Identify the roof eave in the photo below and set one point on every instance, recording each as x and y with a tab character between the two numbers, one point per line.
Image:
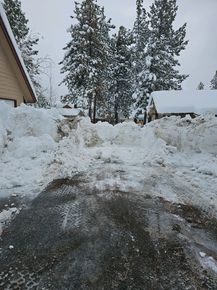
29	86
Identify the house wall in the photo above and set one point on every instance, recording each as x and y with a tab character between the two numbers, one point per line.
182	115
12	83
152	114
9	85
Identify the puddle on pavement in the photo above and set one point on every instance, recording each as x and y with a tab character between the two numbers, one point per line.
74	238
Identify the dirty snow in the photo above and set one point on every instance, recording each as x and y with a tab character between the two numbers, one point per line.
172	157
210	263
7	215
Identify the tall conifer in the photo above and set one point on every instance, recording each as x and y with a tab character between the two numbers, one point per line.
87	56
200	86
26	42
165	46
120	98
141	35
213	83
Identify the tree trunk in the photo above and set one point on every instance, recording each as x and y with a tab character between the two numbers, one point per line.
116	111
94	108
145	117
90	108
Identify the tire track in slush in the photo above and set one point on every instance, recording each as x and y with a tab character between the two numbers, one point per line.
75	237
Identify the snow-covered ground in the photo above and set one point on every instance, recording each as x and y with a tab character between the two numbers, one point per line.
172	157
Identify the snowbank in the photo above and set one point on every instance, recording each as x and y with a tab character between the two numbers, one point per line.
196	135
28	121
38	146
28	138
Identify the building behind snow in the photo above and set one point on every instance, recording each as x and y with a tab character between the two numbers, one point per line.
182	103
15	84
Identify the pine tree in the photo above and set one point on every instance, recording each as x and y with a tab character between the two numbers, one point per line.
42	101
200	86
139	45
17	19
105	55
26	42
120	98
141	63
87	56
213	83
165	45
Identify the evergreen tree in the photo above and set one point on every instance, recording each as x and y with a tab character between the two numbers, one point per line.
200	86
141	59
165	45
139	44
26	42
87	56
120	98
17	20
106	55
42	101
213	84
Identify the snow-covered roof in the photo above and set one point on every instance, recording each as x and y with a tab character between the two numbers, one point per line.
7	29
69	105
140	117
69	112
185	101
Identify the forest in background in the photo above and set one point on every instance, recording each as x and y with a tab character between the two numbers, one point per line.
110	74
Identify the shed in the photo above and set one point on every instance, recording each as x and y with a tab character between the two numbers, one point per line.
182	103
69	106
70	113
15	84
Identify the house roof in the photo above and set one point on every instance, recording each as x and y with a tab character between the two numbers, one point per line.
185	101
69	112
4	24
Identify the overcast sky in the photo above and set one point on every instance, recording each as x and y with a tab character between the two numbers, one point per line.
51	18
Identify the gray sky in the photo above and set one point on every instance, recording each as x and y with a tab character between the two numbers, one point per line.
51	18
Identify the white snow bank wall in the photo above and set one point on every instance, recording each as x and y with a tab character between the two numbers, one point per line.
186	134
27	147
196	135
28	127
27	122
38	146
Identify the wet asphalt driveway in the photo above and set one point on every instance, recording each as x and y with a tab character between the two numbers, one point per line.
71	237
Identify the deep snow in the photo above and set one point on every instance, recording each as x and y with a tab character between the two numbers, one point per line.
38	146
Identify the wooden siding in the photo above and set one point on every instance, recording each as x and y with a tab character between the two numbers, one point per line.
9	85
12	82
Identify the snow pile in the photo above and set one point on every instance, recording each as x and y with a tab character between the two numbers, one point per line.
6	216
28	121
27	139
175	158
190	158
196	135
